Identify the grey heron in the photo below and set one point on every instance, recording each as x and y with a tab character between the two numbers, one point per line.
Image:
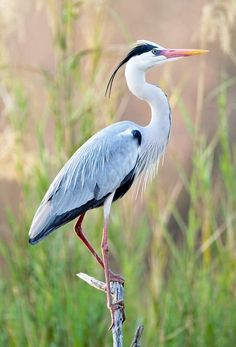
104	168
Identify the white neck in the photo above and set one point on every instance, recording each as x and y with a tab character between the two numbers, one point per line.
159	126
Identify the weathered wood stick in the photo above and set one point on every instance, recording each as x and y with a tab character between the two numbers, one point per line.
117	293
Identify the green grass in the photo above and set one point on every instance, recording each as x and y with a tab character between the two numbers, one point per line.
179	267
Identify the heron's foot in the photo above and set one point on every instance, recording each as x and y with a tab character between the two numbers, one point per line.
116	278
119	305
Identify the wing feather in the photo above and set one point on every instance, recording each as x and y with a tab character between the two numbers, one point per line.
95	170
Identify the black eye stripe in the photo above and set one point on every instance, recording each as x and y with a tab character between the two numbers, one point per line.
137	50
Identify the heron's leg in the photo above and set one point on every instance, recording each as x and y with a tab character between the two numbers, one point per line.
83	238
109	276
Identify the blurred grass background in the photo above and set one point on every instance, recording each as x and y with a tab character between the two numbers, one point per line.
176	247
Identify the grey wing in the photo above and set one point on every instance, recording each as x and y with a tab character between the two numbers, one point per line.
96	170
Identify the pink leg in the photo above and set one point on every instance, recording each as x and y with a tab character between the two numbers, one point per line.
79	232
83	238
108	275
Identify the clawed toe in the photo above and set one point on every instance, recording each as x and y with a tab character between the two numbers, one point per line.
115	277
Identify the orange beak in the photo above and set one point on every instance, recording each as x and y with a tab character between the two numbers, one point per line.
175	53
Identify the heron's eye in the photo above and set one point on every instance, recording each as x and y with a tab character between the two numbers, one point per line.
155	51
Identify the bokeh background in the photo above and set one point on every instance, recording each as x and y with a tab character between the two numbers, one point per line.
176	245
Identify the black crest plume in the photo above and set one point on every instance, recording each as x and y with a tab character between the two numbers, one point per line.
137	50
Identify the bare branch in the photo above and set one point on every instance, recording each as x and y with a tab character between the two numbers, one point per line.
137	337
92	281
117	293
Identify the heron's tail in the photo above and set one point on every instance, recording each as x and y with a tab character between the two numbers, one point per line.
42	223
45	221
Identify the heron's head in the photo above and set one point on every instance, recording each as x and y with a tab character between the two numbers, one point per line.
147	54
